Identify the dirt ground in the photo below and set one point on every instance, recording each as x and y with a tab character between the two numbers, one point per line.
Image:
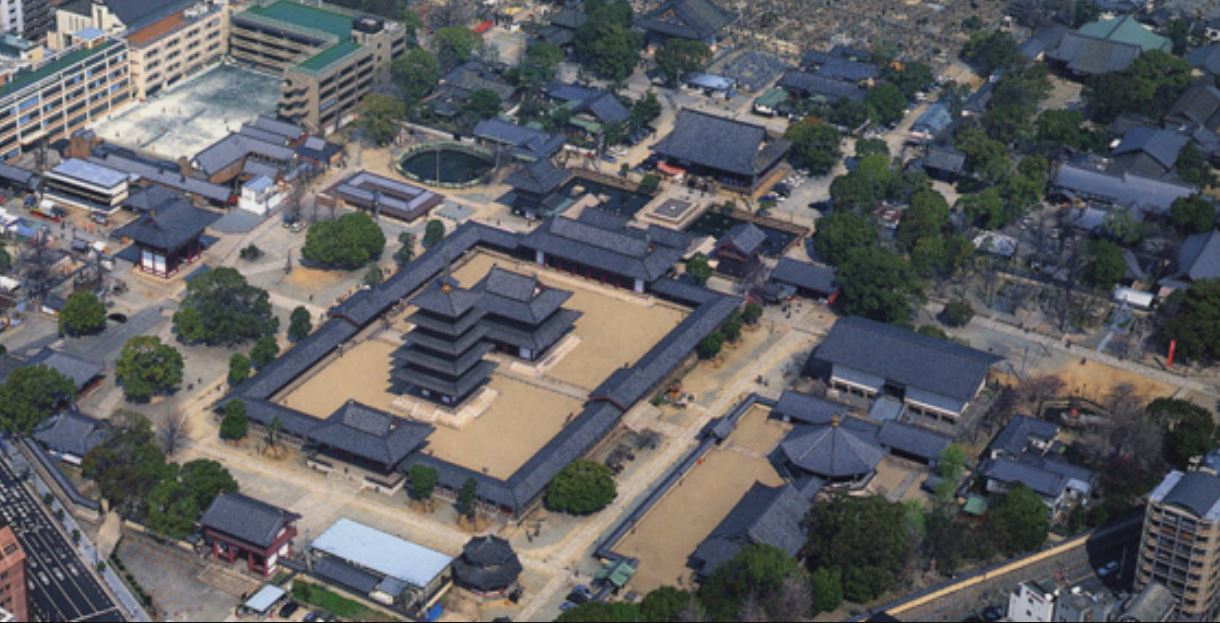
521	419
1095	380
363	373
671	531
616	327
312	279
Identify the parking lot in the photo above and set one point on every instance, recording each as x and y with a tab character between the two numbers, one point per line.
61	587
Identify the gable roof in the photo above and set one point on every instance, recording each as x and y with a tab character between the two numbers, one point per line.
687	19
804	275
945	159
539	177
764	515
833	450
808	408
474	76
1196	491
375	435
80	371
241	516
1161	145
746	238
1092	56
71	432
383	554
236	146
1045	477
913	440
169	226
603	105
1014	438
901	356
839	68
527	142
1126	189
621	250
1126	30
720	143
815	85
1198	106
1199	256
1206	58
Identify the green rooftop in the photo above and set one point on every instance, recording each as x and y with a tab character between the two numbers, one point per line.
298	14
772	98
27	77
335	52
1126	30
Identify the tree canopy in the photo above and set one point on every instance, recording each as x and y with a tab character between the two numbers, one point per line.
1149	87
417	72
581	488
886	103
30	395
1194	214
697	268
991	51
841	232
434	232
815	145
235	423
379	117
865	538
1020	520
1191	431
758	572
1192	318
179	499
146	367
606	43
876	283
455	45
128	465
348	242
221	308
265	351
300	323
1106	264
677	57
83	314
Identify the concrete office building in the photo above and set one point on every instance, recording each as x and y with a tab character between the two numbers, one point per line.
1180	544
169	39
327	56
13	592
51	99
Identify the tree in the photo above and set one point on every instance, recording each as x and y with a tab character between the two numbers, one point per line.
1058	128
239	369
876	283
146	367
870	146
1194	167
732	327
406	252
985	156
886	104
650	183
1149	86
434	232
664	604
862	188
606	42
265	350
698	268
985	209
351	241
455	45
466	499
173	432
582	487
957	313
1106	264
83	314
865	538
127	465
482	104
179	499
379	117
235	424
848	113
710	345
300	323
1191	431
678	57
991	51
827	586
815	145
926	217
1019	521
757	573
1194	214
373	276
644	110
752	313
30	395
6	260
839	233
910	77
600	611
417	72
220	308
1191	317
423	481
538	68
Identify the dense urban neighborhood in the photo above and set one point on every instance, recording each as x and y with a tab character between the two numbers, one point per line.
609	310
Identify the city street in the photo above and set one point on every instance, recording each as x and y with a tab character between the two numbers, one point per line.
62	588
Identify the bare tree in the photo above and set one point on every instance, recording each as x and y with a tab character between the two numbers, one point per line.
1036	391
752	610
173	432
692	612
451	13
794	601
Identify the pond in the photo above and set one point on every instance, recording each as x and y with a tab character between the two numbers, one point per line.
716	224
445	165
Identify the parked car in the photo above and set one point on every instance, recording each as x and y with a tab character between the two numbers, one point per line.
1108	568
580	594
993	613
117	317
289	609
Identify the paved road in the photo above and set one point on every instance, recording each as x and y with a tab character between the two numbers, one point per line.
61	587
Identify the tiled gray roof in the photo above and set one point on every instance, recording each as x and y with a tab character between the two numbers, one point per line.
170	227
839	68
475	76
804	275
832	450
446	297
245	518
376	435
821	86
1092	56
539	177
1014	438
746	238
526	142
1162	145
1128	190
569	18
1199	256
808	408
518	297
764	515
1206	58
22	178
285	129
625	252
71	432
688	19
163	176
717	143
80	371
487	563
1029	471
1197	106
944	159
345	575
901	356
234	147
913	440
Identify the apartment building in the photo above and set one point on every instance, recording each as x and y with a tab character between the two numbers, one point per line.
46	101
13	597
328	56
168	39
1180	545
